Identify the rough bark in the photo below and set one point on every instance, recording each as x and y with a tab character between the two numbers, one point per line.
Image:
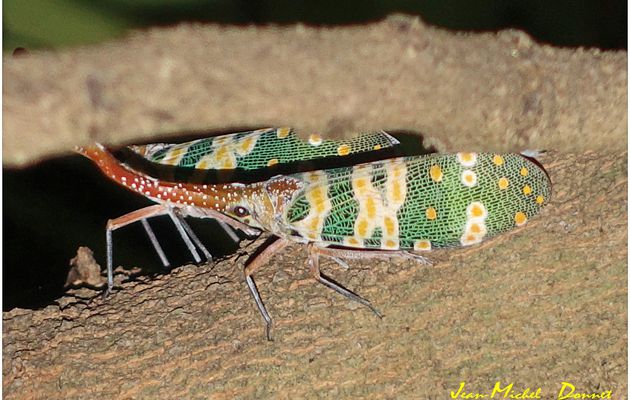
536	307
463	91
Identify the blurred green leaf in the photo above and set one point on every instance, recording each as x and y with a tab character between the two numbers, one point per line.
57	23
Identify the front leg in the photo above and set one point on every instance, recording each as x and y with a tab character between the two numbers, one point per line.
251	266
186	232
138	215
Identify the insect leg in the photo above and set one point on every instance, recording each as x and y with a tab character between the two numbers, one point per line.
113	224
221	218
191	234
358	254
155	243
110	256
314	268
261	307
229	230
250	267
340	262
182	232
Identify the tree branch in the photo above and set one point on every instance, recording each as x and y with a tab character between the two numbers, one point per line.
538	306
463	91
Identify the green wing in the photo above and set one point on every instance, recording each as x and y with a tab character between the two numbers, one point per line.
419	203
258	149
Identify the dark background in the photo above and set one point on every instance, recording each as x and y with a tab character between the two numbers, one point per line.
52	208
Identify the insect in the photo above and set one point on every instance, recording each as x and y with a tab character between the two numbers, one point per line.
246	151
398	207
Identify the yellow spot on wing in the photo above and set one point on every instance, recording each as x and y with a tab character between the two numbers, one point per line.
391	244
282	133
177	152
320	207
397	192
360	184
343	150
476	210
467	159
173	156
524	171
229	164
378	206
271	162
317	199
436	173
399	171
527	190
315	140
221	153
203	164
389	226
540	199
469	178
520	218
503	183
221	140
362	228
314	177
314	224
370	207
422	245
497	160
475	228
352	241
377	147
317	194
395	184
470	238
431	213
246	145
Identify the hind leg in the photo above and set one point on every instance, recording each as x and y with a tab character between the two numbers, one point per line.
313	260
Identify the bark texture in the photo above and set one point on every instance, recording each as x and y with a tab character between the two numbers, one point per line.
463	91
544	304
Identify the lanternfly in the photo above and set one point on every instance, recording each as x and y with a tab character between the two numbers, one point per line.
397	207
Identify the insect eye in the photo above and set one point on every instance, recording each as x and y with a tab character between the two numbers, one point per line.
240	211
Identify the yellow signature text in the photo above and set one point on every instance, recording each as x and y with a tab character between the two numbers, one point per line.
567	392
506	392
